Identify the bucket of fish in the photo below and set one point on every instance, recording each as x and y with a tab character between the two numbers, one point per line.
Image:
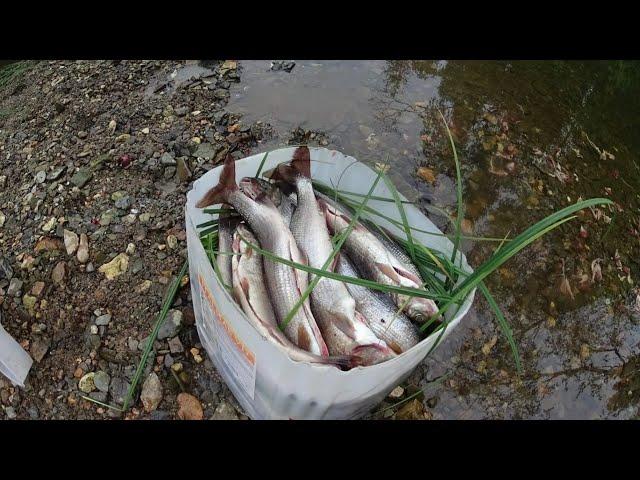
317	287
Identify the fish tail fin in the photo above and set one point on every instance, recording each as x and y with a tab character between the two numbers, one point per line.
226	184
301	161
283	173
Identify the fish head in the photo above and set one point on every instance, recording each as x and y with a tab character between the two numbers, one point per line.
421	309
251	188
370	354
241	236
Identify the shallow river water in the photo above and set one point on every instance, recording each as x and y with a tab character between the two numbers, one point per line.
532	137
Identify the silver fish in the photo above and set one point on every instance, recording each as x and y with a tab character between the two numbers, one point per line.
379	264
343	328
285	283
226	226
250	291
379	311
390	245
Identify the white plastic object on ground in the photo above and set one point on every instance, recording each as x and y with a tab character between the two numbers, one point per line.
15	363
264	380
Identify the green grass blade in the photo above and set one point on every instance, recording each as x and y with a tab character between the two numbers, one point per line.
502	322
168	301
460	214
218	211
209	223
112	407
403	215
264	159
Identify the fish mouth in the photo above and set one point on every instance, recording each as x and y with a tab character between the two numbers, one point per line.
251	188
370	354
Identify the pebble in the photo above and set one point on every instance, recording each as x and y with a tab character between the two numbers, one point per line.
151	395
181	111
132	343
145	217
172	242
37	289
82	177
115	267
56	173
5	269
189	407
2	219
123	203
15	286
175	345
86	383
11	412
397	392
167	159
206	151
184	173
83	249
196	355
58	273
101	381
224	411
131	249
103	319
118	390
50	224
99	396
39	349
171	325
41	176
70	241
29	303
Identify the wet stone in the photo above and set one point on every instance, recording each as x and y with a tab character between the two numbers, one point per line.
167	159
99	396
118	390
206	151
171	325
81	177
101	381
224	411
56	173
103	319
15	287
86	383
5	269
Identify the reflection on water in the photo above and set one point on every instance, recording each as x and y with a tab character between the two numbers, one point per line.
532	138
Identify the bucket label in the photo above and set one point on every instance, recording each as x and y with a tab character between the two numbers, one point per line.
229	348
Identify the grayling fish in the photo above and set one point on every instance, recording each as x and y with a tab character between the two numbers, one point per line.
226	226
343	328
379	311
250	291
285	283
390	245
377	263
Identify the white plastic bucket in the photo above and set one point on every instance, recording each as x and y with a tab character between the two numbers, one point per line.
264	380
